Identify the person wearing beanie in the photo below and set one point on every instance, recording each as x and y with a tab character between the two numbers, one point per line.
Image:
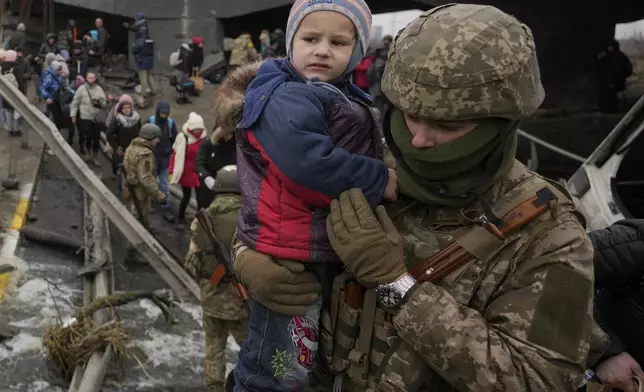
124	128
307	135
139	163
18	38
183	159
164	151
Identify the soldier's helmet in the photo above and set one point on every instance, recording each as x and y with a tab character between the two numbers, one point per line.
227	180
150	131
464	62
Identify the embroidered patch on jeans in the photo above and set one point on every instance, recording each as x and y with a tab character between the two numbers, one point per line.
305	339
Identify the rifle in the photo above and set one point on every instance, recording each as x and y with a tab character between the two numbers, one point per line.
225	268
130	188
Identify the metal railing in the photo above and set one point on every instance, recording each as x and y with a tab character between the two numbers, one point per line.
164	264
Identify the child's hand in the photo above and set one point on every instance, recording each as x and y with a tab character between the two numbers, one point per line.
391	191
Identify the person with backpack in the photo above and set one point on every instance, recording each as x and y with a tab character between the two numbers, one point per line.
183	159
162	119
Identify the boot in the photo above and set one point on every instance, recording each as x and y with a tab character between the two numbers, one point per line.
94	160
181	224
169	217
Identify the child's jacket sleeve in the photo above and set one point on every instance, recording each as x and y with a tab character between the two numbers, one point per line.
292	136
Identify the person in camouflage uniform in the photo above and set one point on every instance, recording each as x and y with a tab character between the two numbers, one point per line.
517	315
243	52
140	165
224	312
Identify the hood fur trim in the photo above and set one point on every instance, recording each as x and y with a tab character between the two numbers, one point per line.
229	99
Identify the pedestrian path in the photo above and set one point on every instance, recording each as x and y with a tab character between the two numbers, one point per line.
20	159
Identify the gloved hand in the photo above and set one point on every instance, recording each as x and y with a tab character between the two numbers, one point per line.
370	247
282	286
210	182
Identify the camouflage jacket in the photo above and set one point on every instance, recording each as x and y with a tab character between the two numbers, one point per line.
521	321
221	302
243	52
140	164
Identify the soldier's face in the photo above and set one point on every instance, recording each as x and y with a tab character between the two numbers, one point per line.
323	45
427	133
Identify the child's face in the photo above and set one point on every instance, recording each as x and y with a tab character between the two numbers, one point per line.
164	114
126	109
428	133
323	45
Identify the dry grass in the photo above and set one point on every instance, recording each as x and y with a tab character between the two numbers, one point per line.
72	345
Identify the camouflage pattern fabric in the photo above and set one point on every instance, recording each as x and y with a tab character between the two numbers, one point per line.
224	312
140	164
462	62
243	51
520	322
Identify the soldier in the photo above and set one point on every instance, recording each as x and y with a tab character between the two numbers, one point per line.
243	52
224	312
140	165
482	270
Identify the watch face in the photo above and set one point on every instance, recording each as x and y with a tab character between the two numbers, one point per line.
389	297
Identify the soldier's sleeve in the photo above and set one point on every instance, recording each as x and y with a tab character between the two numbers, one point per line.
533	335
146	171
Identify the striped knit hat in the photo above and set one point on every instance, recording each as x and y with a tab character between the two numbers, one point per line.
356	10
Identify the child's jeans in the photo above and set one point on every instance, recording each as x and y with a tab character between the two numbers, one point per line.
280	351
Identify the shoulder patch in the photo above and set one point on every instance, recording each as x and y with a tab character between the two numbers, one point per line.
561	312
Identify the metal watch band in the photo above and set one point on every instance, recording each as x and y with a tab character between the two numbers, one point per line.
404	284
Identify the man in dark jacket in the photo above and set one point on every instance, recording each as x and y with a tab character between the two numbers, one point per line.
18	38
140	27
163	152
79	62
67	36
215	152
49	46
619	301
143	51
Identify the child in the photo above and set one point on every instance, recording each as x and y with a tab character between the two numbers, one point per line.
306	135
183	160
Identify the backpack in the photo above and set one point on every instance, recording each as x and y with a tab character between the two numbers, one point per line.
174	59
152	120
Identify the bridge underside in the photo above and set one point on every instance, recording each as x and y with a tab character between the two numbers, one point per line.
568	36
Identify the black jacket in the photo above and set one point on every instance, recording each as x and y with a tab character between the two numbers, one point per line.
619	255
619	281
215	153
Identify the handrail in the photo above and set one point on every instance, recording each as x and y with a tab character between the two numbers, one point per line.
551	147
164	264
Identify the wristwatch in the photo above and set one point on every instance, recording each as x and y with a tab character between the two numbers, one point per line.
393	295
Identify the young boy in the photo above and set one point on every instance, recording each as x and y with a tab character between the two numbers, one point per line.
305	136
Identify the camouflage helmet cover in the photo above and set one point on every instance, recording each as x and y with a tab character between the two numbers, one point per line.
227	180
462	62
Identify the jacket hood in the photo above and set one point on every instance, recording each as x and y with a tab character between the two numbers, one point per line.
229	99
49	36
162	107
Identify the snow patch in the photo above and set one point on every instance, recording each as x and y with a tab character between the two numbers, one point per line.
170	349
151	310
194	310
39	293
19	345
42	386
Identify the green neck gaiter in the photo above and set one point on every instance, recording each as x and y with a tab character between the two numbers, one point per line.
452	174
